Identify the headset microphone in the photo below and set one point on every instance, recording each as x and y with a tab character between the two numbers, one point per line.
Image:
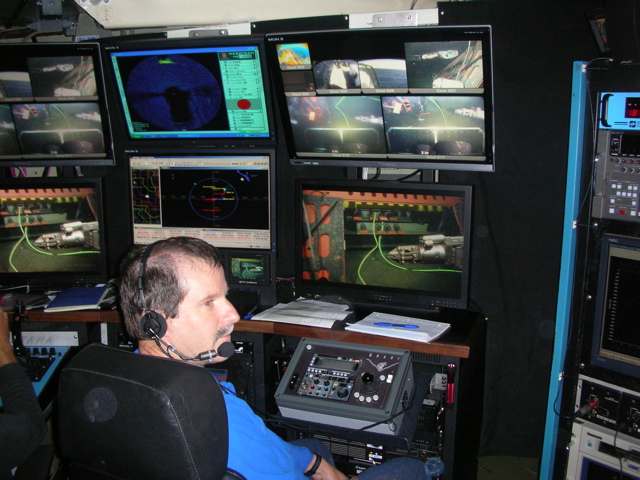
226	350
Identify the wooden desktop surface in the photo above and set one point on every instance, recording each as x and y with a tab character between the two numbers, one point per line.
457	342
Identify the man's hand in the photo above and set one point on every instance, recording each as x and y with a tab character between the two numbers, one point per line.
6	350
326	471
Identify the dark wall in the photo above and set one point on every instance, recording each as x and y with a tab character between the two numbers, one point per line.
518	210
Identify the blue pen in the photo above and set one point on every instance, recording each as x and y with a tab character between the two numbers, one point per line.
394	325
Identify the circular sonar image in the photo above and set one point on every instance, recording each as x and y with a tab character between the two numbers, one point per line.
174	92
213	199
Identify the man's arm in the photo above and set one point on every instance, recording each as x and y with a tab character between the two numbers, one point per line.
6	351
22	424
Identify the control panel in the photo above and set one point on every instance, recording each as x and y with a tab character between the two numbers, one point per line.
610	406
347	385
40	364
617	161
333	378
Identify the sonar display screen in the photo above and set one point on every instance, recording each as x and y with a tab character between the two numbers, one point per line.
222	199
191	91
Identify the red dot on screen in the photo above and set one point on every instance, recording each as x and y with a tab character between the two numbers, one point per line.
244	104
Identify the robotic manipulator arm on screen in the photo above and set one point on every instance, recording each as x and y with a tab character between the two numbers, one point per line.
72	234
431	249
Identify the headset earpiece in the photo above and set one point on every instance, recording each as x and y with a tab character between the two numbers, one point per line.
153	324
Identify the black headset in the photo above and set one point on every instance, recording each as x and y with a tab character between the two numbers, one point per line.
152	323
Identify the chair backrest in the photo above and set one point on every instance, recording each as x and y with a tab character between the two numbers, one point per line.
127	416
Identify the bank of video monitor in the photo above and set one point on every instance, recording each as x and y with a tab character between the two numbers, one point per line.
386	98
52	106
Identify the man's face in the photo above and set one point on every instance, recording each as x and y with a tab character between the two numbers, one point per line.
205	317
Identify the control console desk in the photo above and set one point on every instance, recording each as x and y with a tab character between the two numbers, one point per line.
450	421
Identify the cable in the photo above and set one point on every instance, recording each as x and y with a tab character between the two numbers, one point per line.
586	409
615	448
407	177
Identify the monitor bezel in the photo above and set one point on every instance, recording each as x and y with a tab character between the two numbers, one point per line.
62	279
598	358
382	36
144	44
54	49
375	296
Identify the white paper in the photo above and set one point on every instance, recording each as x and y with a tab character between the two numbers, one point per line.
408	328
312	313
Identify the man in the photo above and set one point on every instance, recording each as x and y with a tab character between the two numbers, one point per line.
173	296
22	423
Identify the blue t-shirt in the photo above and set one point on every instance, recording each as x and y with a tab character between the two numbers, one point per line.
257	452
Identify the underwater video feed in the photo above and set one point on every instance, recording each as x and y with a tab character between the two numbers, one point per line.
70	76
445	66
392	240
49	78
73	129
337	76
337	124
49	230
434	125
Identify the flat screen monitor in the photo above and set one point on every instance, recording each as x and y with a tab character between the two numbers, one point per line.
418	97
223	199
52	232
384	243
189	91
52	105
616	332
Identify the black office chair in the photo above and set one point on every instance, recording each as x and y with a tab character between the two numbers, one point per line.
127	416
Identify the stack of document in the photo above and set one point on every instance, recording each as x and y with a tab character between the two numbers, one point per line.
84	298
397	326
310	313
